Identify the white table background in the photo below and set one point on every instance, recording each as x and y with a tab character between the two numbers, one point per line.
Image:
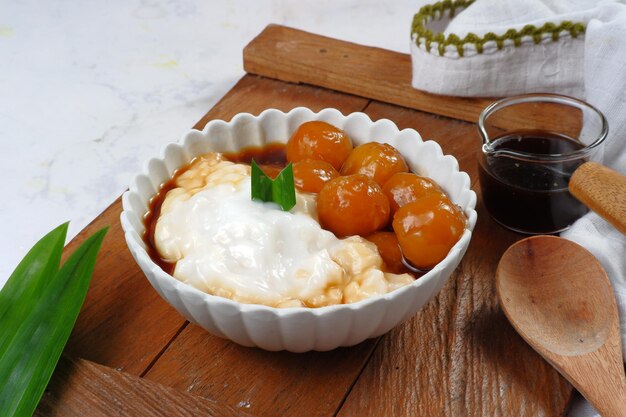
90	90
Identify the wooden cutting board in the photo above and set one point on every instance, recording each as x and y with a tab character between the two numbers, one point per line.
457	357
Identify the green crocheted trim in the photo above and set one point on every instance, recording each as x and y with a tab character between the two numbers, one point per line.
438	11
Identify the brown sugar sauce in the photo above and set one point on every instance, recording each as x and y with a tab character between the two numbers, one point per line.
531	196
271	154
151	217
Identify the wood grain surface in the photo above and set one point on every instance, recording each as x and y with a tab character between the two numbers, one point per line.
265	383
458	356
81	388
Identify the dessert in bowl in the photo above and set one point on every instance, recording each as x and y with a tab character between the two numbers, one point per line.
301	279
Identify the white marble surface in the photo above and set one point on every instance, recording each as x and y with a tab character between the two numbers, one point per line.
89	90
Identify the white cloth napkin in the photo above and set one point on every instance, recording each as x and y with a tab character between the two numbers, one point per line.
605	88
590	66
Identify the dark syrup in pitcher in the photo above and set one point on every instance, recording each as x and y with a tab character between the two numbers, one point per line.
531	197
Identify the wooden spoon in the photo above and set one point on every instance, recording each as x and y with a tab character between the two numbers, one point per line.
559	299
603	191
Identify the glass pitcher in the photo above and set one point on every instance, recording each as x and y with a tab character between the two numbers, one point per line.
531	145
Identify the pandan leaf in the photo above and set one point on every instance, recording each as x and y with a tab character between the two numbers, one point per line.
280	190
43	303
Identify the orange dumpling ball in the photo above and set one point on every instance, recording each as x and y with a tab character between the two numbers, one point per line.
427	229
352	205
405	187
319	140
310	175
378	161
389	250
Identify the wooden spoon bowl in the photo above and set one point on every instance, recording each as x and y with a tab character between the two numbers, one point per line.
559	299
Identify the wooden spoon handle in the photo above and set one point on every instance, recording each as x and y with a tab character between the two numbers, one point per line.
603	384
603	191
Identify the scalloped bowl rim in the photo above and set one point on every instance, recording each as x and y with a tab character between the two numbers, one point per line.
183	288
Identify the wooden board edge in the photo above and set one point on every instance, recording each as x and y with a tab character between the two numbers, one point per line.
80	387
297	56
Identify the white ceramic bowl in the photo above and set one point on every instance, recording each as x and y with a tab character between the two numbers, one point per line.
295	329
